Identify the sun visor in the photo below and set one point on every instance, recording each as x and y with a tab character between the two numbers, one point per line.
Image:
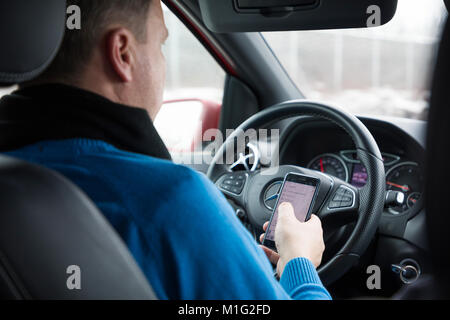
282	15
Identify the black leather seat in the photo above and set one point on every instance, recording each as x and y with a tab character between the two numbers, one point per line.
47	224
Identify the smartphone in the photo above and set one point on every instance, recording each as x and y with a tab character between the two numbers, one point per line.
299	190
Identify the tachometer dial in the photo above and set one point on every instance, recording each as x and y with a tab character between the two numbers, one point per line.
407	178
413	199
330	164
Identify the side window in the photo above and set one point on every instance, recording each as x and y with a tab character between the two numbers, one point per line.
194	90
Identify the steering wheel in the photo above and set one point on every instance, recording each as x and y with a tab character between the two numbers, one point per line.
363	206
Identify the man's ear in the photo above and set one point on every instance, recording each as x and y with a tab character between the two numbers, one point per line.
119	52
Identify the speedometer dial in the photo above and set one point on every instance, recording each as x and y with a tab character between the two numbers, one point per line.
407	178
330	164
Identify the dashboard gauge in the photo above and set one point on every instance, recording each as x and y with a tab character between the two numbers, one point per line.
330	164
413	199
407	178
351	156
389	159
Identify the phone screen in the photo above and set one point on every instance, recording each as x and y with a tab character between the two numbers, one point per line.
298	190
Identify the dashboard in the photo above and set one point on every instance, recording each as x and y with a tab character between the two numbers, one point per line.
401	236
402	176
322	146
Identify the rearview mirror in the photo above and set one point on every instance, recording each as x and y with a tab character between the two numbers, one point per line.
282	15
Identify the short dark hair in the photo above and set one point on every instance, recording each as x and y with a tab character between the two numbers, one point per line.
96	16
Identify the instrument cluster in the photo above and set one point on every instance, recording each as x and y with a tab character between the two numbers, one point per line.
402	176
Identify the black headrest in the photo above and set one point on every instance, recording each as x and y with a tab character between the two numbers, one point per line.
31	32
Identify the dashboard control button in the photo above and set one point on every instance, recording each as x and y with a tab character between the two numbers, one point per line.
238	183
225	187
343	198
233	183
236	190
335	204
346	204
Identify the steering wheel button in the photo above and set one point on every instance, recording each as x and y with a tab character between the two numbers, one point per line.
236	190
335	204
237	183
346	204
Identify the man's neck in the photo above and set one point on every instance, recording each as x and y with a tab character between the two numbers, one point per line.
58	112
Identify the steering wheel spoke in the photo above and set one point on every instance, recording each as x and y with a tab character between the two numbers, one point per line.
233	186
341	206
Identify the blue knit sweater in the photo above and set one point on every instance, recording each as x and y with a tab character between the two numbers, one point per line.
178	226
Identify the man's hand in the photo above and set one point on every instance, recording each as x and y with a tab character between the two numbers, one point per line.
295	239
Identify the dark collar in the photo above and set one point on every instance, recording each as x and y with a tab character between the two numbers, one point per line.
56	112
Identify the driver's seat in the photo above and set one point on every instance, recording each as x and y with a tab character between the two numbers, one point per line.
54	243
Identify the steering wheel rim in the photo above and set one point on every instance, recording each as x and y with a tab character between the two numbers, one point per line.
370	198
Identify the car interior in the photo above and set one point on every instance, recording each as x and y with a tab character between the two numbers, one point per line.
392	169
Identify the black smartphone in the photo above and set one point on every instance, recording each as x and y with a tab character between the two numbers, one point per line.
299	190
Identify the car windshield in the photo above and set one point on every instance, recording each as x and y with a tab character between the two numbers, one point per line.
377	71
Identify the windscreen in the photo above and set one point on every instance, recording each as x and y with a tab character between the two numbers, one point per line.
374	71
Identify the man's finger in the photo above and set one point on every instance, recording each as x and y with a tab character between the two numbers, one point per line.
285	212
271	255
261	237
315	219
265	226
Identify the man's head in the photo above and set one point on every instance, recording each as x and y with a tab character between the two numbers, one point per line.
117	53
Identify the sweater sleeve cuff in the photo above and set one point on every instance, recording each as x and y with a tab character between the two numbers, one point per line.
298	272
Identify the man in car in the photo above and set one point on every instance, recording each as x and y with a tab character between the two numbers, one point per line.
89	116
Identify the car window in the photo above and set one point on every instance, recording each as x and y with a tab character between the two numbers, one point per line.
194	89
380	71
